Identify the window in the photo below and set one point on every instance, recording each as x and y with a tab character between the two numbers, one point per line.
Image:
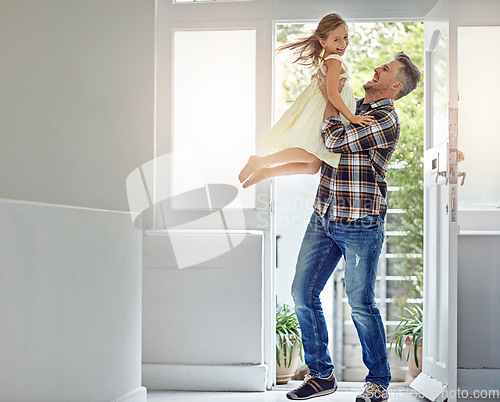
214	100
205	1
477	137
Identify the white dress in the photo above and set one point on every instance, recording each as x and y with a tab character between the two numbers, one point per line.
300	126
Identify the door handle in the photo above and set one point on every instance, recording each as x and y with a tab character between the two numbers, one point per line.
441	174
462	175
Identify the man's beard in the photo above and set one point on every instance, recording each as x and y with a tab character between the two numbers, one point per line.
373	90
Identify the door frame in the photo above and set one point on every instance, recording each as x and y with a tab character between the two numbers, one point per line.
262	15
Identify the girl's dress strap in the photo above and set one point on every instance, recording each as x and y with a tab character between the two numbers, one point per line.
345	74
334	56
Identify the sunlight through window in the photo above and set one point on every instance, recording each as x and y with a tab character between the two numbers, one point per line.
214	106
477	137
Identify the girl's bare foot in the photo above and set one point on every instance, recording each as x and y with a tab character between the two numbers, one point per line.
254	163
259	175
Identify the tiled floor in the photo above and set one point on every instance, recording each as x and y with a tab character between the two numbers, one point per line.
399	392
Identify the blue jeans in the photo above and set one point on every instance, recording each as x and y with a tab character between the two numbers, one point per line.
324	243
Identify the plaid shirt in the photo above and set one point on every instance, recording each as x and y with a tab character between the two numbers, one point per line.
357	187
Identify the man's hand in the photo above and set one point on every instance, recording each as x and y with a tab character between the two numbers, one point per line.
322	82
341	84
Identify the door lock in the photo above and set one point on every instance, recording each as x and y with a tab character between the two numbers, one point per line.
460	154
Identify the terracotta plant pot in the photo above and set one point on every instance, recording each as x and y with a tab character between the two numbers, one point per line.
283	373
412	365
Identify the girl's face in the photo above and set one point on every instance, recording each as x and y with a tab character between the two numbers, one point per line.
336	42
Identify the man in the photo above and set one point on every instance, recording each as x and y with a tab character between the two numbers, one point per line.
348	221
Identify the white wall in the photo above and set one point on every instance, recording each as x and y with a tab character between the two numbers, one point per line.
479	215
76	117
70	304
478	300
76	99
203	321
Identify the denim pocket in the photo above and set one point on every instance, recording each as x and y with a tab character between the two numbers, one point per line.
369	222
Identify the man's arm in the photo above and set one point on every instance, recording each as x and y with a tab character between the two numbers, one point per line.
330	110
382	133
354	138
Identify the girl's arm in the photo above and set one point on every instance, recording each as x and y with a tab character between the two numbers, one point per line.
332	85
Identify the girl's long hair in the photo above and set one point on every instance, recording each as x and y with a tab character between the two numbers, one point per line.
309	50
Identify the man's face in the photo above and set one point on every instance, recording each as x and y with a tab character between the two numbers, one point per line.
384	77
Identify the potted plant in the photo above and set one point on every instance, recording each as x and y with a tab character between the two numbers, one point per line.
409	333
288	343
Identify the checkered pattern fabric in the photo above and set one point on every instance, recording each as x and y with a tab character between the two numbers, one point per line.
357	187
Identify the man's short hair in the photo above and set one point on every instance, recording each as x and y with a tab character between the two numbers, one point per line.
408	75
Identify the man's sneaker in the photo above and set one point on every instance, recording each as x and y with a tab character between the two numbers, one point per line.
373	393
313	387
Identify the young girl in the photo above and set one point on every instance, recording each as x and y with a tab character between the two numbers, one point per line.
296	138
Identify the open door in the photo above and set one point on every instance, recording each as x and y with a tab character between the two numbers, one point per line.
439	374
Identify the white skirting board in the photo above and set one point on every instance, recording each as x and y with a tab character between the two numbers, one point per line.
137	395
479	383
180	377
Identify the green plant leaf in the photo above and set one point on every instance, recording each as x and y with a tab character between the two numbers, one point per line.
409	328
288	334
